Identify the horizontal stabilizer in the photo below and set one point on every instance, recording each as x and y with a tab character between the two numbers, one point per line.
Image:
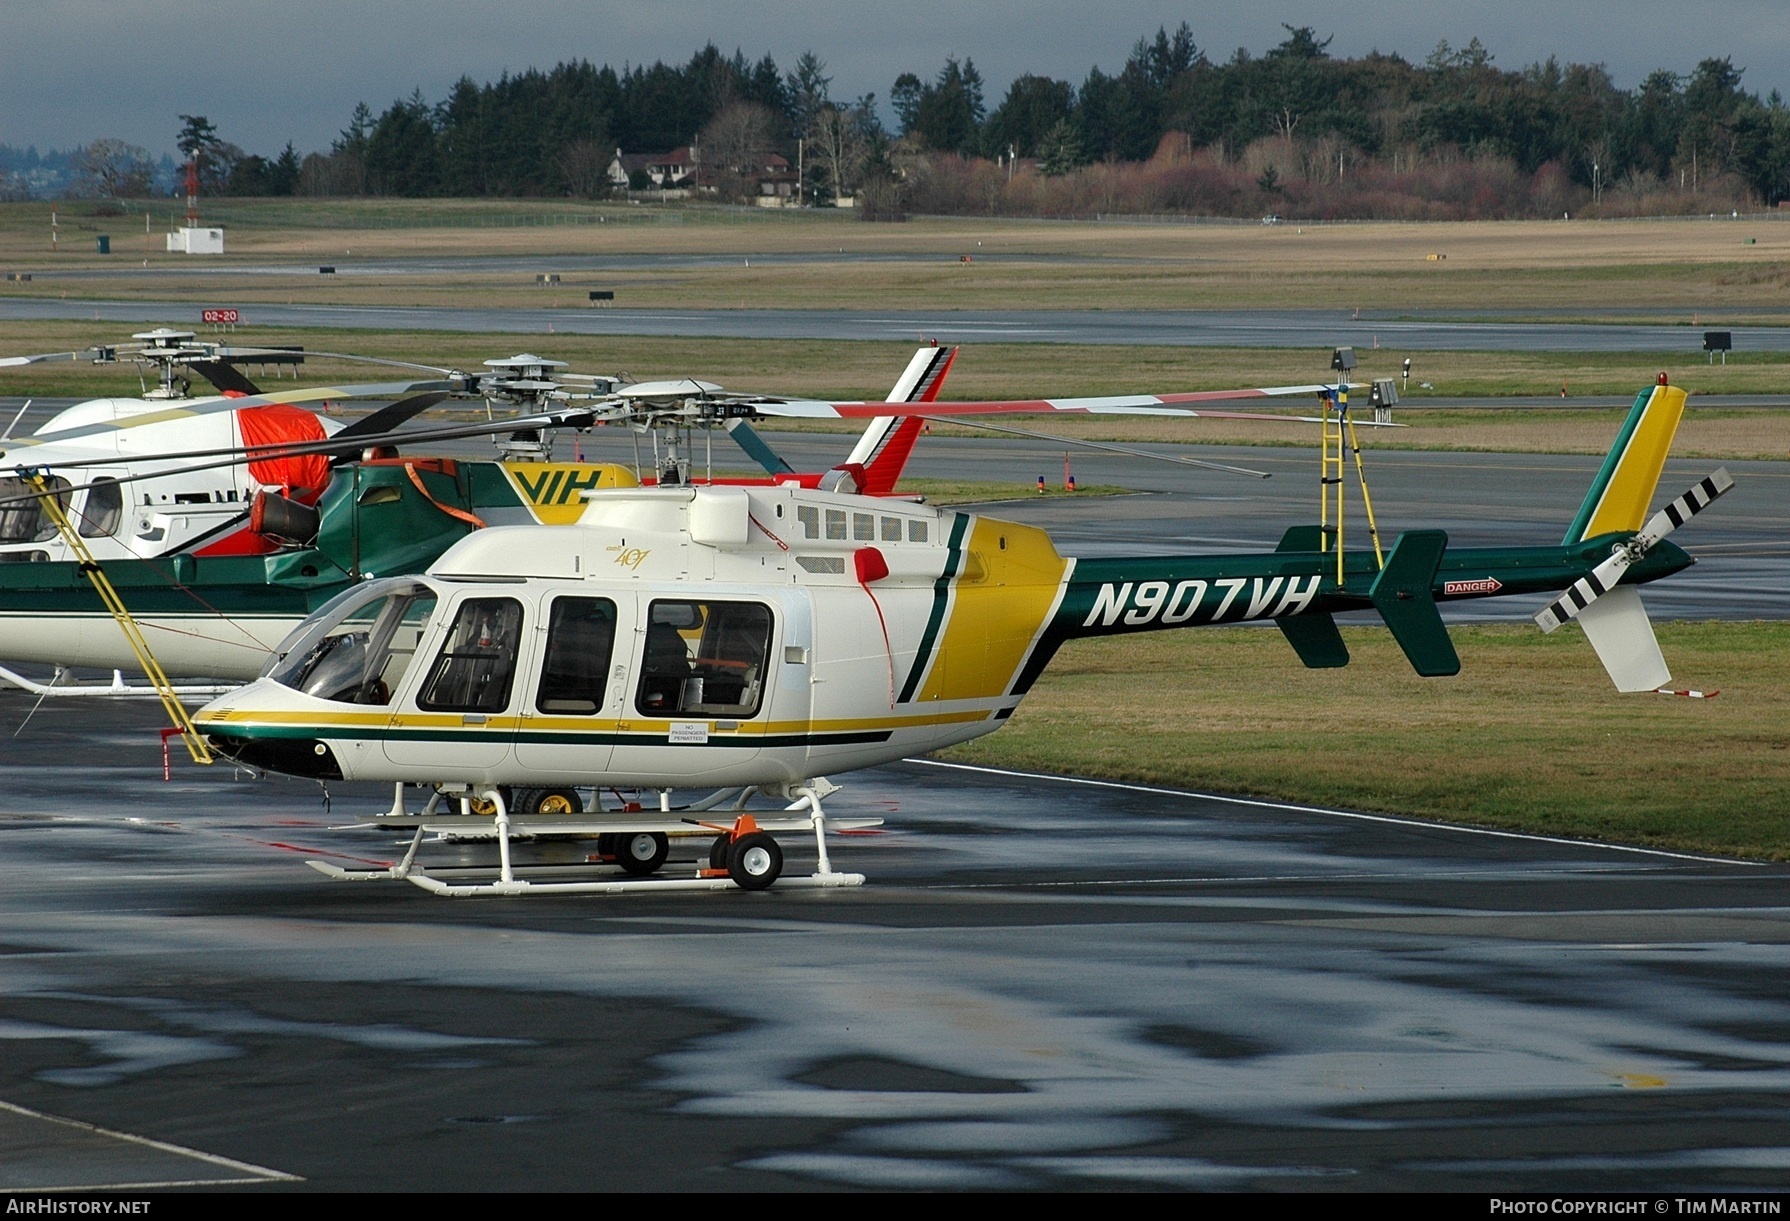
1301	538
1618	628
1315	638
1403	594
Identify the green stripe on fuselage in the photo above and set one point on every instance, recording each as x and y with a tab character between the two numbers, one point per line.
941	597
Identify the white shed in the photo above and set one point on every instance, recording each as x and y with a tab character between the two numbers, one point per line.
196	241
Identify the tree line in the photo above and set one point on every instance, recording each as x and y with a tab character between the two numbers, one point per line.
1173	129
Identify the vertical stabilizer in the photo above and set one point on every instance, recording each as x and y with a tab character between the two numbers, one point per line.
887	442
1620	496
1618	628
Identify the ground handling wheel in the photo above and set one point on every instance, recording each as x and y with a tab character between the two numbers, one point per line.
485	808
556	802
720	850
755	861
642	852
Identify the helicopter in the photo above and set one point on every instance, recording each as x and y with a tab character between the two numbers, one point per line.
118	442
755	640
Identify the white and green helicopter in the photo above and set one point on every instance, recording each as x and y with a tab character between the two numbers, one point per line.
754	640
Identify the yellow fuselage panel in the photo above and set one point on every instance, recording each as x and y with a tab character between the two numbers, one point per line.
1013	580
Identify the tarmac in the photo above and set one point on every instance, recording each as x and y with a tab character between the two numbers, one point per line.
1046	984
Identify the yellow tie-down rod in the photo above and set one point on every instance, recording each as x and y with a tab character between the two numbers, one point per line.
183	721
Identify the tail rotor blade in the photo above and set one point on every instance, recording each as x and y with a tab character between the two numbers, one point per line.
1687	506
1605	577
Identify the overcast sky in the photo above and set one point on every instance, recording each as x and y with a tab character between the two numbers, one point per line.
268	71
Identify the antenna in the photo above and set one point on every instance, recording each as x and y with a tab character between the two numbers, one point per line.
192	191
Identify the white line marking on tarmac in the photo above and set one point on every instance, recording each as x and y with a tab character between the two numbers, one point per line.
1353	814
262	1173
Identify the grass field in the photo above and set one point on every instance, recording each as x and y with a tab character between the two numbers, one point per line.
1529	736
1694	272
864	370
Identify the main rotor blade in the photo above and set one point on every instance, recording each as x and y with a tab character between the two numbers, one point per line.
224	375
186	410
10	362
1119	404
237	455
387	418
1112	449
756	448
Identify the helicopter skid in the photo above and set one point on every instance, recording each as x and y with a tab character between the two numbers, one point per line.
610	884
754	860
455	827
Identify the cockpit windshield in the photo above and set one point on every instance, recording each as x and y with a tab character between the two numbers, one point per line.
357	649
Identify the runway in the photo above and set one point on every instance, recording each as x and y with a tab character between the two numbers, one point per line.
1309	328
1046	985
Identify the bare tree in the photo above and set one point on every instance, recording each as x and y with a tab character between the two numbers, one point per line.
584	164
112	169
736	147
839	144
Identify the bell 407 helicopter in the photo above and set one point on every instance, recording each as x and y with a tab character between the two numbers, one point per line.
755	640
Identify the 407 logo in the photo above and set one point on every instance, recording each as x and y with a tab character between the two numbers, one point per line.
629	557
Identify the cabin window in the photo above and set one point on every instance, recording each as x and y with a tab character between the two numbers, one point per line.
104	509
891	529
363	656
836	523
478	661
916	531
706	658
580	639
24	520
809	517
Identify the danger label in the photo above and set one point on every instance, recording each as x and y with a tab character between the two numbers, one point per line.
1485	585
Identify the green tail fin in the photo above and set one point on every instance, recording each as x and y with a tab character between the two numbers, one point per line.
1402	594
1315	638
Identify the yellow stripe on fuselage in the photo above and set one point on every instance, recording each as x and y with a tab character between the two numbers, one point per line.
1012	579
1625	501
596	724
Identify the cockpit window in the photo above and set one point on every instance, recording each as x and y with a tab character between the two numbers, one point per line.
359	652
103	509
704	657
478	659
22	518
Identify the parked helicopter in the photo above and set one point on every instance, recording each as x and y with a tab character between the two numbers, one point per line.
754	640
114	443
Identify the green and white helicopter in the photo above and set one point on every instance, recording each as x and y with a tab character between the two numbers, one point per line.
753	641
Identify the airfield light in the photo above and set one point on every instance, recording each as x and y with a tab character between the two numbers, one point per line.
1343	359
